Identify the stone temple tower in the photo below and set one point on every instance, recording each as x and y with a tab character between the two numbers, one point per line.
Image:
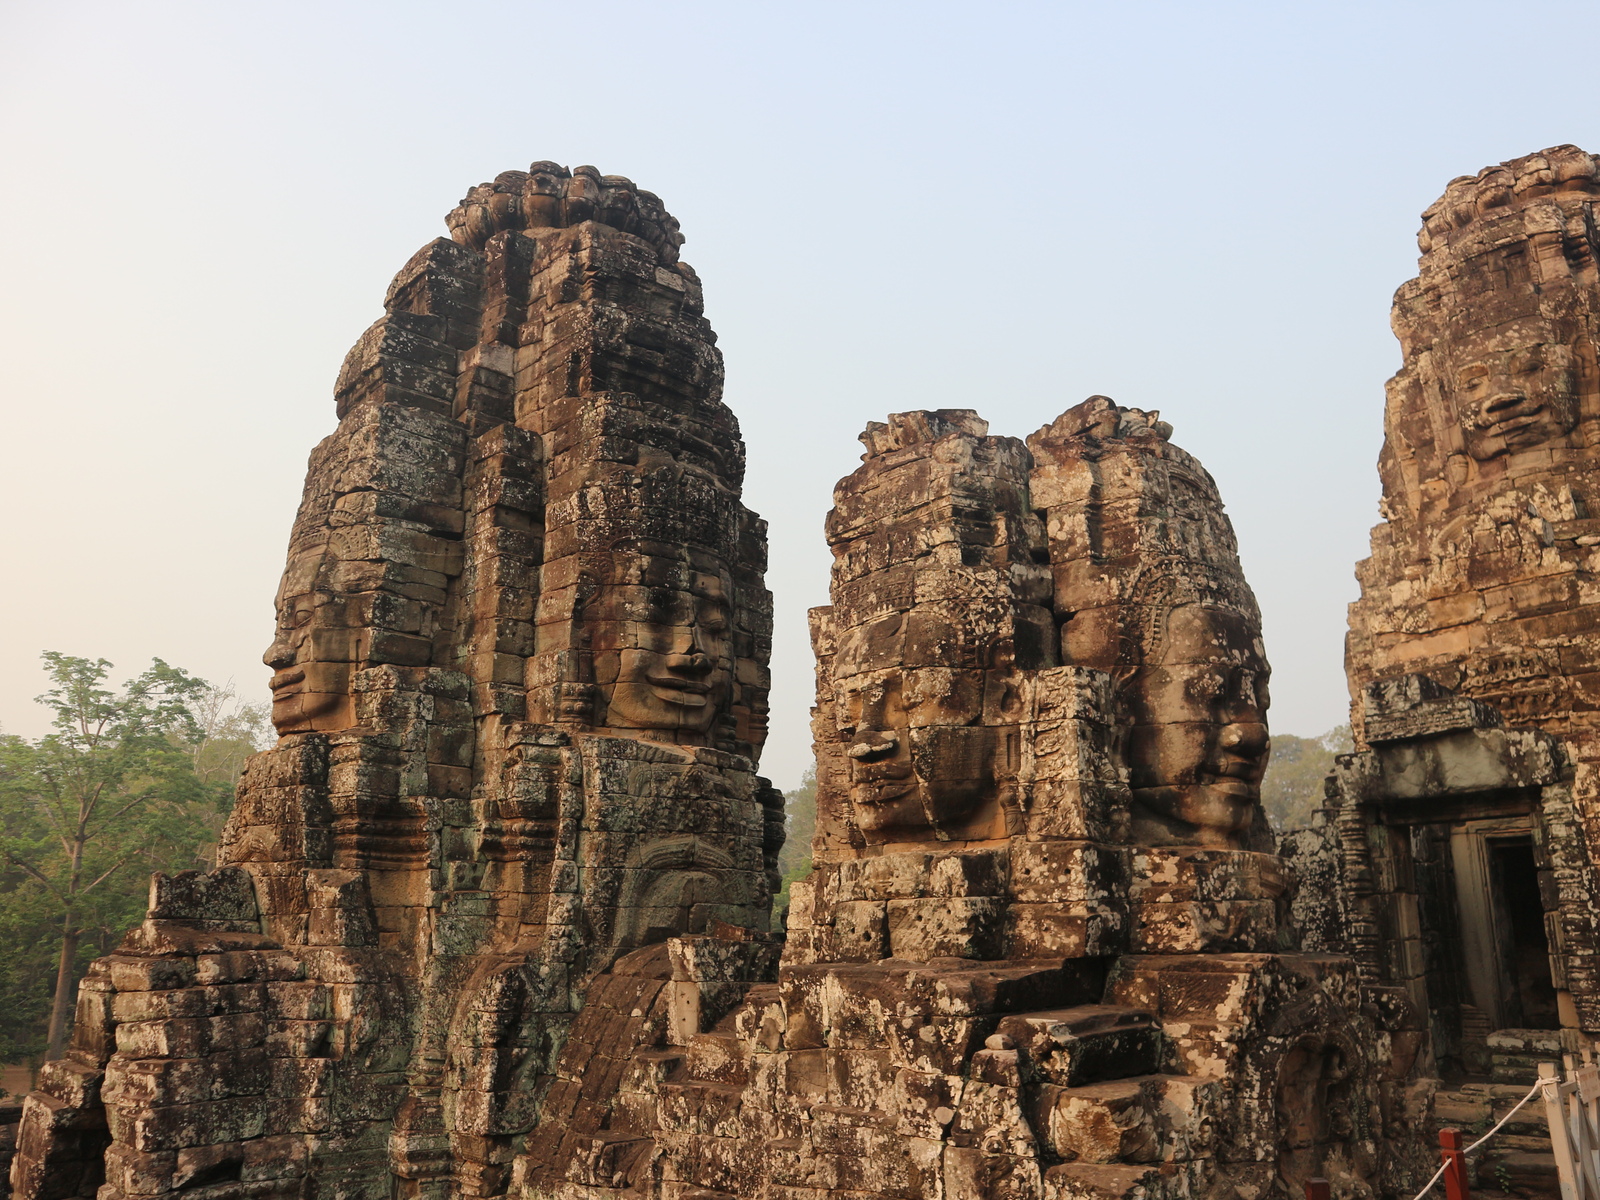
521	687
1466	825
1043	952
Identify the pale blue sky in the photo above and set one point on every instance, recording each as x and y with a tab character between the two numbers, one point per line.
1201	208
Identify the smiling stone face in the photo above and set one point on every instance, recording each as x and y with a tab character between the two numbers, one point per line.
1198	743
915	763
316	648
1512	388
920	759
674	655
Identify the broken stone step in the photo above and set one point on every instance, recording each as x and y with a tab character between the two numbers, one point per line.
1531	1143
648	1069
1071	1047
1453	1109
699	1108
757	997
1107	1122
1545	1043
605	1159
1522	1172
1144	1118
717	1057
1515	1072
1098	1181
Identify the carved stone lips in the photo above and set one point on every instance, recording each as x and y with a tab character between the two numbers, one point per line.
1236	768
1235	775
678	683
881	782
284	680
1516	422
675	689
884	791
1234	779
1509	412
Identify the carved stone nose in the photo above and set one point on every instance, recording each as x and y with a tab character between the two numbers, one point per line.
1244	736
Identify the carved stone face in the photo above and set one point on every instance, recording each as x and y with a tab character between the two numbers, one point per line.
674	658
917	760
1198	746
312	658
1513	388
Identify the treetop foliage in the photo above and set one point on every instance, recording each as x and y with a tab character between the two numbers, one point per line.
128	782
1292	790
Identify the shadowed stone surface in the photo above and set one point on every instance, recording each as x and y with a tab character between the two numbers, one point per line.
1473	650
491	919
1478	572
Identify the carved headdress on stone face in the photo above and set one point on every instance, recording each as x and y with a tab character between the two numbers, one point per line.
1136	529
1148	588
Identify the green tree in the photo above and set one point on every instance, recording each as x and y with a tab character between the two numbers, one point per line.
1291	791
230	732
800	822
111	794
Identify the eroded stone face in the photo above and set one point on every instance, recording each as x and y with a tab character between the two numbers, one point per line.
312	658
1197	743
1474	634
993	983
520	678
1489	465
673	657
917	759
1514	387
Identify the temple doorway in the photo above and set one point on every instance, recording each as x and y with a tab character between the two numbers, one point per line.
1505	949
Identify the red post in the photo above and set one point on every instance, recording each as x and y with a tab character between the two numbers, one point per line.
1317	1189
1455	1165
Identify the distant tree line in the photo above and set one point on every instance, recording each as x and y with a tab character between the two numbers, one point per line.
128	782
1292	790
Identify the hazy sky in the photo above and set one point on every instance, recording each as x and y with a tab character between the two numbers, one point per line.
1199	207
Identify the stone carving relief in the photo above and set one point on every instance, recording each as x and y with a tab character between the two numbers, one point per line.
1148	588
492	919
1197	744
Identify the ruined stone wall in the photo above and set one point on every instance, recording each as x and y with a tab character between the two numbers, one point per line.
1480	580
1039	954
520	681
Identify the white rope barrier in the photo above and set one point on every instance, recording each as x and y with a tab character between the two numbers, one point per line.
1439	1174
1531	1094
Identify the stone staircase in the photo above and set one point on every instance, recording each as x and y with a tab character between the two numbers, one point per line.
1101	1103
1519	1160
1078	1079
1087	1081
